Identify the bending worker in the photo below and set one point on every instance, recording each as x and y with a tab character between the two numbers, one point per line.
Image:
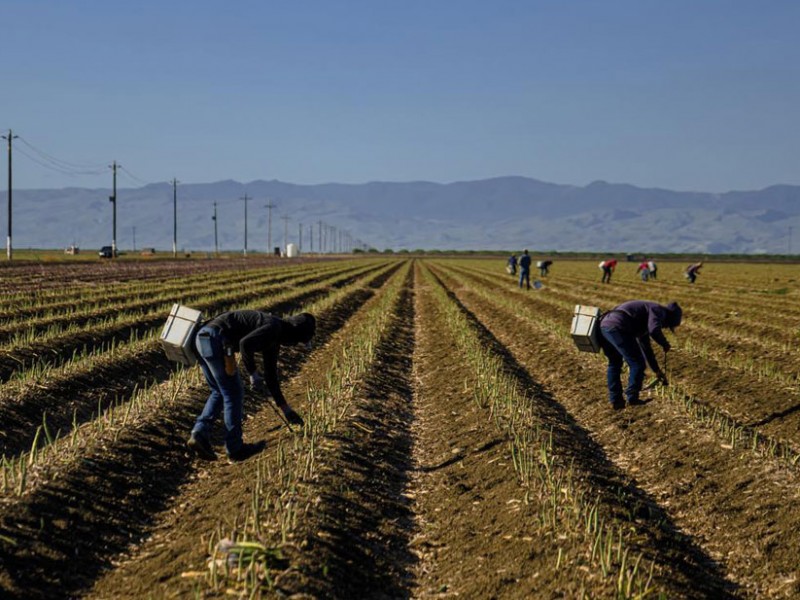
626	331
247	332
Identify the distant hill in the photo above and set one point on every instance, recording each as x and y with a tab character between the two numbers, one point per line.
498	213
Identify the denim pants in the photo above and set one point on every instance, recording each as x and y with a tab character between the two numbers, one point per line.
525	275
619	346
227	392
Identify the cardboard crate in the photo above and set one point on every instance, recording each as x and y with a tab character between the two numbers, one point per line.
586	328
177	337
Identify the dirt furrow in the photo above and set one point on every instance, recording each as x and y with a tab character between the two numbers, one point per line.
717	494
69	530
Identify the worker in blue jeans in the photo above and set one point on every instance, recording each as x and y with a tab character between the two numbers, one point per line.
625	336
217	342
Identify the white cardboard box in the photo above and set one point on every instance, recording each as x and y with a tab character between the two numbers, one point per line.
177	337
586	328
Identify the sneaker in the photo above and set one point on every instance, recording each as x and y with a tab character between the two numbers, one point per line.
246	451
200	445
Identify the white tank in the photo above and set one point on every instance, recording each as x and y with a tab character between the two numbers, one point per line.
291	250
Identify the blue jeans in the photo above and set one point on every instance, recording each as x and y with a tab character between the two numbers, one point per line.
619	346
525	275
227	392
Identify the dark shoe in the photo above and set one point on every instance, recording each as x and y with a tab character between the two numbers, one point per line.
618	405
200	445
293	417
246	451
637	402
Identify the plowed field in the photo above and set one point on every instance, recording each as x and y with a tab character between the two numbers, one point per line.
456	443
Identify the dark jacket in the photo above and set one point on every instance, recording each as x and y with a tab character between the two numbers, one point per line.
252	331
525	262
643	320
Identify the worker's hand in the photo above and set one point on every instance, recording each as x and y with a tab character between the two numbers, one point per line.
667	347
662	378
291	415
257	382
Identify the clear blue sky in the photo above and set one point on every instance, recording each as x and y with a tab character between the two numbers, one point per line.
681	94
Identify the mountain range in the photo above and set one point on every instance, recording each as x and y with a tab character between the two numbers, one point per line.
502	213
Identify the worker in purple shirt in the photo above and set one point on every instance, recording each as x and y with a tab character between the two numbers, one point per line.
217	342
626	331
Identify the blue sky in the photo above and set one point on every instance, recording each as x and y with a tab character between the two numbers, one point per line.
687	95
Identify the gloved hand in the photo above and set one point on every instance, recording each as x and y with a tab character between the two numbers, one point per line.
662	378
291	415
257	382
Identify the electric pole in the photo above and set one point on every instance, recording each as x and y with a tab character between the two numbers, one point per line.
790	236
9	137
216	240
174	218
311	238
113	200
299	237
134	238
245	198
285	234
269	207
320	236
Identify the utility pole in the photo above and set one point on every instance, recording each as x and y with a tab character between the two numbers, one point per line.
9	137
320	236
134	238
299	237
285	234
311	238
245	198
269	207
113	200
174	218
216	240
790	239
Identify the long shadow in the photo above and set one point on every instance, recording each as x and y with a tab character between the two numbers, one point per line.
68	531
701	575
776	415
365	520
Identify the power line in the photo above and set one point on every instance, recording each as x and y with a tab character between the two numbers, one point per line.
63	163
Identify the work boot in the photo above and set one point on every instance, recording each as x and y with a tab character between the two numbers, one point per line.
200	445
637	402
618	405
246	451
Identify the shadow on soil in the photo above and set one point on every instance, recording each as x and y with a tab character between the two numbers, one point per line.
700	575
68	531
360	546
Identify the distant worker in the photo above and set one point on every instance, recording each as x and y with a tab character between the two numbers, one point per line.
512	265
644	269
626	331
218	340
607	267
653	267
525	269
544	267
692	271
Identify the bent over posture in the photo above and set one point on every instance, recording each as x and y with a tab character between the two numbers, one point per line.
247	332
626	332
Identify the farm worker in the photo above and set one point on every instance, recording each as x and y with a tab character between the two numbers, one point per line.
653	268
247	332
544	267
525	269
625	335
692	271
607	267
644	269
512	265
